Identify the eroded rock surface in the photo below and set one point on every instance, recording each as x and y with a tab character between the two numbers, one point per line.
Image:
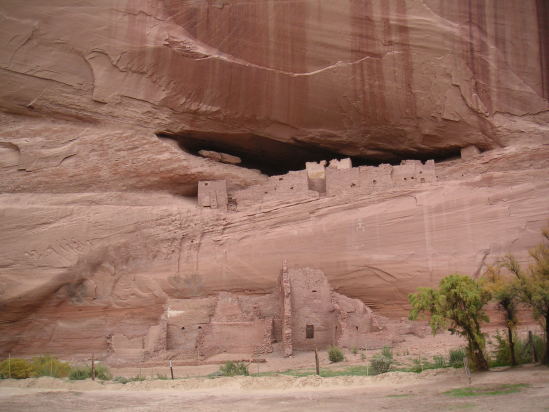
112	261
104	106
385	79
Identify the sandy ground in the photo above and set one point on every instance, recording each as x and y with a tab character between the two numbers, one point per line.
405	353
393	391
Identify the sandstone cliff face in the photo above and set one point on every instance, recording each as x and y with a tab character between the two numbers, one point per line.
385	79
77	268
104	104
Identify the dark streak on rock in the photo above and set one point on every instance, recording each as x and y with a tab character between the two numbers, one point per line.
543	32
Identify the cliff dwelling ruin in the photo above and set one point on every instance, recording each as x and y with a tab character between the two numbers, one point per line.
158	170
301	314
319	179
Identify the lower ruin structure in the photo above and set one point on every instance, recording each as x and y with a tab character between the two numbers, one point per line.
302	314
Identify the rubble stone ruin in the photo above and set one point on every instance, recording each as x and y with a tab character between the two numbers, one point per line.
213	194
318	179
302	313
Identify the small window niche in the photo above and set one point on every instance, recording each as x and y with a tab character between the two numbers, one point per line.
310	331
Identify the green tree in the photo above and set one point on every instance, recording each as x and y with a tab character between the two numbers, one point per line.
534	285
457	304
503	291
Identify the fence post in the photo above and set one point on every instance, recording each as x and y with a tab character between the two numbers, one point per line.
171	369
532	346
317	363
466	368
93	368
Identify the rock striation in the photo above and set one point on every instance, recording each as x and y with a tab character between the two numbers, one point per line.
79	269
383	79
115	115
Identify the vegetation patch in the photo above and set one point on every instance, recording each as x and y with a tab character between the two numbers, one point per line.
85	372
335	354
16	368
233	369
123	380
382	362
487	390
47	365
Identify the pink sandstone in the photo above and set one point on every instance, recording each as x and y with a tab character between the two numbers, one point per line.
112	244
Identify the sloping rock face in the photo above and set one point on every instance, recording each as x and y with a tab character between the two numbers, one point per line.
80	268
104	105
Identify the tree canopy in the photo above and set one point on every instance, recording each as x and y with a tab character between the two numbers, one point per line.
458	304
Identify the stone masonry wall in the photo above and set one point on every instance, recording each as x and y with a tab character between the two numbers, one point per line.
338	178
213	194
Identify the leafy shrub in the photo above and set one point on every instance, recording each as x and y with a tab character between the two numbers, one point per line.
16	368
523	350
47	365
417	367
84	372
422	364
80	373
234	368
439	362
456	291
335	354
121	379
456	357
387	351
381	364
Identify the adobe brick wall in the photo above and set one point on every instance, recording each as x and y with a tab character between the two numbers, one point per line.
213	194
337	179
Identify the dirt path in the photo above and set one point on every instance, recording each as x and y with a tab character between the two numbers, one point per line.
393	391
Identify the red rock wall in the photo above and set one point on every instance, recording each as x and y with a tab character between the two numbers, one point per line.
378	78
96	237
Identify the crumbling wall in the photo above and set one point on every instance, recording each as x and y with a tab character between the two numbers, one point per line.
317	179
316	176
341	164
469	152
411	172
213	194
292	185
287	313
288	184
252	196
129	348
246	337
321	317
354	320
311	304
156	341
303	313
185	320
375	178
342	180
233	330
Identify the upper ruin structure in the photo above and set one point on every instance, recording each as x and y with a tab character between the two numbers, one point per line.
318	179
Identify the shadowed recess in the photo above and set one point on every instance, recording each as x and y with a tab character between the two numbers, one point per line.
273	157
